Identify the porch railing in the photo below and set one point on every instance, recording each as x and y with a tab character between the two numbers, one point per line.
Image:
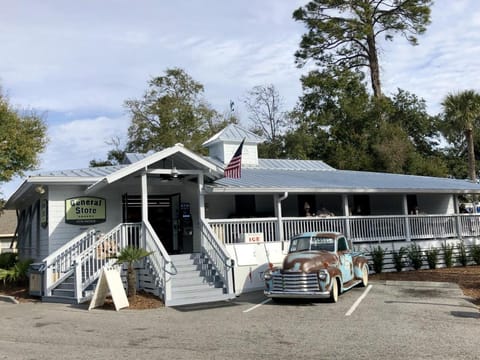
356	228
103	252
218	255
60	263
160	262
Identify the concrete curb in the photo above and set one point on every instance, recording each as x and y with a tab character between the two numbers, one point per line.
9	299
445	285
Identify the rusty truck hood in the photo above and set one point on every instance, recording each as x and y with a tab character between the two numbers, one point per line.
309	261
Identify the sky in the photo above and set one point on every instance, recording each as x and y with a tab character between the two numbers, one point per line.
76	62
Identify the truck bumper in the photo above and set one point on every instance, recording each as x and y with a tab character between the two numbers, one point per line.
297	294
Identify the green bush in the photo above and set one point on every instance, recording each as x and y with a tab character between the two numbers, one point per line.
378	258
398	258
17	274
432	257
7	260
475	253
414	254
462	253
448	255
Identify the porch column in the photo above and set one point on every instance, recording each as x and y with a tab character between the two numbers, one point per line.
346	213
144	207
278	214
457	218
201	197
408	235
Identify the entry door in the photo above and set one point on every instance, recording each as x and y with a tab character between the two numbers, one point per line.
163	213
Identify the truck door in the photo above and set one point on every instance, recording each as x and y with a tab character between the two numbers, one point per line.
345	257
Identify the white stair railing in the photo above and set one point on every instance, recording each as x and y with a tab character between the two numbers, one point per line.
159	260
103	253
217	255
59	264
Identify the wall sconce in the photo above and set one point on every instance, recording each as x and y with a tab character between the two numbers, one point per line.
174	172
40	189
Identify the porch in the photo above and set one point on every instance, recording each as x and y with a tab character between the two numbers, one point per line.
359	229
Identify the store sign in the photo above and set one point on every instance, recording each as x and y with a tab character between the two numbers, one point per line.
85	210
253	237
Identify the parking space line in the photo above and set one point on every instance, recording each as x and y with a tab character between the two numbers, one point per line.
359	300
258	305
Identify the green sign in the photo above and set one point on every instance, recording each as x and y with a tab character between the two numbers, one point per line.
85	210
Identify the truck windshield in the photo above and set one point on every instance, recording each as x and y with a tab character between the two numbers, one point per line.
312	243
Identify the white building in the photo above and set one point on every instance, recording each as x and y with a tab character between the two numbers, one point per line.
212	237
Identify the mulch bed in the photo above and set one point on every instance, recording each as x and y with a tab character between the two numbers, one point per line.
468	278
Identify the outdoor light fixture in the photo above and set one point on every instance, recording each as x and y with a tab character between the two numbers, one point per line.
40	189
174	172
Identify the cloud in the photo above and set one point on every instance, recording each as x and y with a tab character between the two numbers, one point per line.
77	142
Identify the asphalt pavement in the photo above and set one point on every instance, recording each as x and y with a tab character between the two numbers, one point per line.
393	320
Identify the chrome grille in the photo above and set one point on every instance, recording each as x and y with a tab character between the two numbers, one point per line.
295	282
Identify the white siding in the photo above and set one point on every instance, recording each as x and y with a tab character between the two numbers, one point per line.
224	152
59	231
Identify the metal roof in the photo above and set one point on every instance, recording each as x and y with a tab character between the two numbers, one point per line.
337	181
234	133
86	172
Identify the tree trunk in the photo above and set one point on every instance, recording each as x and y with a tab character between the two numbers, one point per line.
374	66
471	155
131	282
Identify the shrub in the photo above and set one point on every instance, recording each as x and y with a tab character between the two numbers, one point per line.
448	254
17	274
475	253
414	254
432	257
378	257
462	253
7	260
398	258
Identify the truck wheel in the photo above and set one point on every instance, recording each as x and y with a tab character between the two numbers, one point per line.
365	275
334	291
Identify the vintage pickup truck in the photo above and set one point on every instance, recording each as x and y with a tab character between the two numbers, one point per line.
318	265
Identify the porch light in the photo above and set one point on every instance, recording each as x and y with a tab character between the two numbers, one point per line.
174	172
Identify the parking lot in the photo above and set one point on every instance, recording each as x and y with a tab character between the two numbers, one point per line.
395	320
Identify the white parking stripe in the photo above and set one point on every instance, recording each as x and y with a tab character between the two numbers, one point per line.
258	305
359	300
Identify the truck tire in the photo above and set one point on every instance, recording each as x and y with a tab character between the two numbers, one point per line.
365	275
334	291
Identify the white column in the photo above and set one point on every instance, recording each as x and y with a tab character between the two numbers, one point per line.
408	234
144	208
201	197
346	213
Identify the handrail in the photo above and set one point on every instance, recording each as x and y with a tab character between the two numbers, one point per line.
217	255
159	259
72	244
221	252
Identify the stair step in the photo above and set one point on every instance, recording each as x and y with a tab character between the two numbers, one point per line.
199	299
59	299
64	292
194	288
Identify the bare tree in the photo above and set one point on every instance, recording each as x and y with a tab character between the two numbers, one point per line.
264	106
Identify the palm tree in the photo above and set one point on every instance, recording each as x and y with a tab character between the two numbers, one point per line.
461	112
129	256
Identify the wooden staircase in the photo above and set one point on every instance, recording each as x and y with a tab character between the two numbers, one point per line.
196	281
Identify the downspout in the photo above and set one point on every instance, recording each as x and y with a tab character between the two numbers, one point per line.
278	211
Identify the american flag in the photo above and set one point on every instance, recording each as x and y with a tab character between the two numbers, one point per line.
234	167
